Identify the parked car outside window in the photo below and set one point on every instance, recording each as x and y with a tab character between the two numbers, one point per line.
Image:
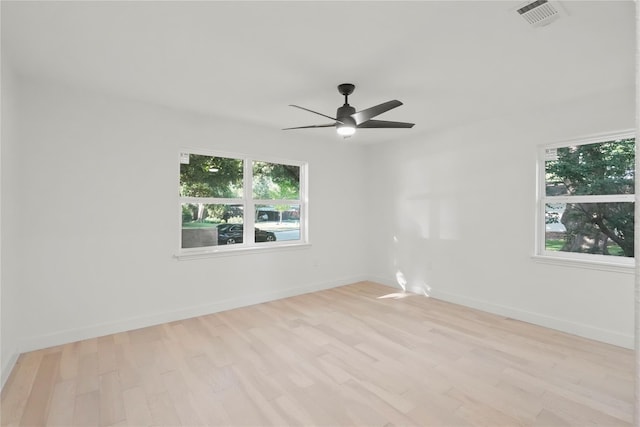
229	234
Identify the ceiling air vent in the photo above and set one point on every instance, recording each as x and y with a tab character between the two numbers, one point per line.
540	12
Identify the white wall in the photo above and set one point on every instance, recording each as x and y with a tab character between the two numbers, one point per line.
454	213
97	230
9	289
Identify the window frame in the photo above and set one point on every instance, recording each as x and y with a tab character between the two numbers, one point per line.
249	203
594	261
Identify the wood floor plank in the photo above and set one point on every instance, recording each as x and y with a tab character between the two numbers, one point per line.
339	357
87	379
62	404
180	393
579	413
241	409
86	410
89	346
111	400
294	413
69	361
163	412
106	354
209	407
36	410
126	366
388	413
248	384
136	407
309	412
18	387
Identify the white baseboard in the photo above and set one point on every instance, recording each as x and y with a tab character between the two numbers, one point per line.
97	330
579	329
7	367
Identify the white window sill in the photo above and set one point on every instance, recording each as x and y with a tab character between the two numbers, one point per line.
234	251
627	267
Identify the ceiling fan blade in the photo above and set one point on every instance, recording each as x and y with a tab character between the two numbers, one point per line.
385	124
315	112
312	126
369	113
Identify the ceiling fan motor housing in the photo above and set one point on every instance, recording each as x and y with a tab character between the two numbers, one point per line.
345	112
344	115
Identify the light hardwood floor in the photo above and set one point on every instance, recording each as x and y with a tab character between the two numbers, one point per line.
338	357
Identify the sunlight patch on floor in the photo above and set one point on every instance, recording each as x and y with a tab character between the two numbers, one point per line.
420	289
397	295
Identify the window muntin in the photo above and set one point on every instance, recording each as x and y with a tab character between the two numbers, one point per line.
230	202
587	199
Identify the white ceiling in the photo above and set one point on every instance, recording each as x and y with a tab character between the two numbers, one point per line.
448	61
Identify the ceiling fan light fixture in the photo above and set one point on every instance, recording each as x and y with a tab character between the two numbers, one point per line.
345	130
345	124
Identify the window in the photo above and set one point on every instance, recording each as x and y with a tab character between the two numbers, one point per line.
230	202
586	202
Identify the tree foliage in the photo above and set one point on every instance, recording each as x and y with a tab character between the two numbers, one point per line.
220	177
595	169
207	176
275	181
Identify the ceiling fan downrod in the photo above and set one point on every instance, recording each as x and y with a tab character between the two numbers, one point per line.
346	89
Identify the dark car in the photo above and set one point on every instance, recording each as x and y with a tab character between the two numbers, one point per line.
229	234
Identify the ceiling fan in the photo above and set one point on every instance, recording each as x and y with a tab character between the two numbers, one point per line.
347	119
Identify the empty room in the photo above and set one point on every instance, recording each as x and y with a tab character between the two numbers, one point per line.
332	213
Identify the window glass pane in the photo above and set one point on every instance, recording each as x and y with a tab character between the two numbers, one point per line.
208	176
591	169
230	234
205	224
276	181
591	228
277	222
